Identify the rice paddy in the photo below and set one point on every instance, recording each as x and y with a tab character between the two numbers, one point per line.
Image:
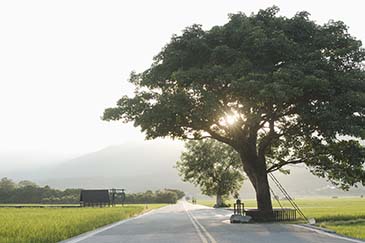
47	225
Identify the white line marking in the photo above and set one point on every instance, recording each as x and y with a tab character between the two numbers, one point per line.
202	237
212	240
329	234
192	218
104	228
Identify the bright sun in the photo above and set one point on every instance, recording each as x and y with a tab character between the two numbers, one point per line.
228	120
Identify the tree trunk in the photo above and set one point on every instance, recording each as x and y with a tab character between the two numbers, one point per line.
263	196
219	201
256	172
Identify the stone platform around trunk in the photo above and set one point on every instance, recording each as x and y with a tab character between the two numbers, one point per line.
278	214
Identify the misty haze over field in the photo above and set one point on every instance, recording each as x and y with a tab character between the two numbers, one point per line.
149	166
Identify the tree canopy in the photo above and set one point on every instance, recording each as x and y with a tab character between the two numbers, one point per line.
213	166
278	90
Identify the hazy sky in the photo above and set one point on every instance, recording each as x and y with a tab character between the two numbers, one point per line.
63	62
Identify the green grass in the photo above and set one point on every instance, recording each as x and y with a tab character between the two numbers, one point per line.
354	228
344	215
36	204
40	225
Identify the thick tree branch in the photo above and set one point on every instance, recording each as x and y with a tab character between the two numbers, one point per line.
197	138
268	139
218	137
282	163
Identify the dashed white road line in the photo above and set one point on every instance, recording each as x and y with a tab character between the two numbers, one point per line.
199	228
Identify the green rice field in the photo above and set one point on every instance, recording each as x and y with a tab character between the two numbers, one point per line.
344	215
41	225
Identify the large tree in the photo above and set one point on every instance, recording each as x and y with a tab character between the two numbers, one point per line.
213	166
278	90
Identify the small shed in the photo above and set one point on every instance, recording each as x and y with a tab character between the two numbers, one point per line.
91	198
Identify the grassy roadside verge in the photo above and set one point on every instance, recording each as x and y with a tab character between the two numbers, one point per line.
46	225
346	216
353	228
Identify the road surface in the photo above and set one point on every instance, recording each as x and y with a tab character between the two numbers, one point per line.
185	222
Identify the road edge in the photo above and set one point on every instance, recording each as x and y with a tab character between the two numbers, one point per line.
88	234
328	232
316	229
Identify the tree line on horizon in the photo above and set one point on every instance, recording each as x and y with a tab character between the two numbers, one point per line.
29	192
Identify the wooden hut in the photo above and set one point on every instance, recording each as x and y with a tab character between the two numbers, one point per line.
94	198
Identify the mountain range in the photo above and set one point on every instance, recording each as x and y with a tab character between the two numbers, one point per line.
138	166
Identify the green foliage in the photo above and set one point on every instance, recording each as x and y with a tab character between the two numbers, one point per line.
213	166
29	225
179	194
7	186
160	196
352	228
29	192
295	91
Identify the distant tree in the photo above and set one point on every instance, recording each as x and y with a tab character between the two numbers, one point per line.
179	194
213	166
7	184
278	90
25	183
160	196
7	187
29	192
164	196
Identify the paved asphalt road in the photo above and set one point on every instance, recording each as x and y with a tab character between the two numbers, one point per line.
185	222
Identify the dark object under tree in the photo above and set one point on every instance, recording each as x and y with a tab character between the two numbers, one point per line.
278	90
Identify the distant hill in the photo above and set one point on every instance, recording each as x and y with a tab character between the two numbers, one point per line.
150	166
134	166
